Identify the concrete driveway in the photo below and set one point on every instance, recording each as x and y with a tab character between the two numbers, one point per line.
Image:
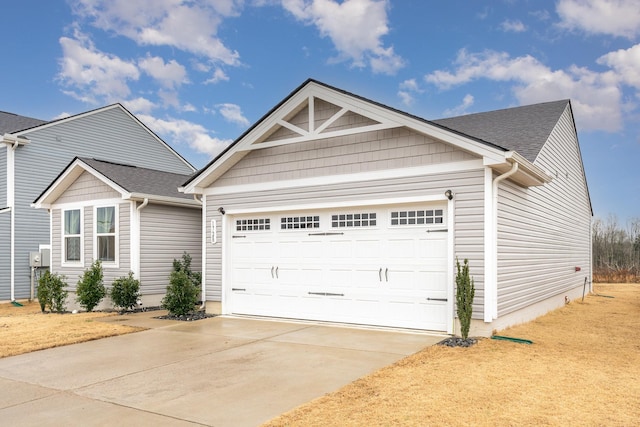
216	372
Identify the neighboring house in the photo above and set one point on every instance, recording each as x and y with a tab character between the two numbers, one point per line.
336	208
130	218
33	152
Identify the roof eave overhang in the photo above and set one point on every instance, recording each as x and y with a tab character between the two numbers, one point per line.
164	200
528	174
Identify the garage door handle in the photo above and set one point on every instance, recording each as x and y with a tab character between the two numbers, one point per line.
386	274
272	272
326	294
438	299
277	272
443	230
380	274
326	234
238	289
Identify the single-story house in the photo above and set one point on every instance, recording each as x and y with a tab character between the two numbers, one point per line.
333	207
33	152
130	218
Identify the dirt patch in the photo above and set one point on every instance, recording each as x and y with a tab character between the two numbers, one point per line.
26	329
583	368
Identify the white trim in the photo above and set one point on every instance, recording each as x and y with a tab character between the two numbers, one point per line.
345	204
134	239
225	265
203	260
88	203
451	233
489	242
462	166
12	216
116	210
63	252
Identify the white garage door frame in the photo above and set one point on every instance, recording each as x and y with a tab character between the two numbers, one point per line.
227	232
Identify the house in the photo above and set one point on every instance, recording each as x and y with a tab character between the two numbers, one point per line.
33	152
333	207
130	218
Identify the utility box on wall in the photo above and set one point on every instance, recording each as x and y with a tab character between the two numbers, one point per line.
39	259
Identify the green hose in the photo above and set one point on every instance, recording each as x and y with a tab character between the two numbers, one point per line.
16	303
518	340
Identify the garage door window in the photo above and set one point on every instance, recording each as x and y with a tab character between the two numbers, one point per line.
253	224
353	220
299	222
417	217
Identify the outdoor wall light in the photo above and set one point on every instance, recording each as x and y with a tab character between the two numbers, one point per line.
449	194
221	210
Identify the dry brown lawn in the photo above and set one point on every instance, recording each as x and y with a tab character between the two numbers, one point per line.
25	329
582	370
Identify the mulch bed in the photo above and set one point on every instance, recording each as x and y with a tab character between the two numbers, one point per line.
198	315
458	342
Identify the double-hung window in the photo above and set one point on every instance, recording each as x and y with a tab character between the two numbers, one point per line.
72	236
106	228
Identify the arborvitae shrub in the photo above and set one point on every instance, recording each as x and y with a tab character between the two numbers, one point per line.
465	291
183	290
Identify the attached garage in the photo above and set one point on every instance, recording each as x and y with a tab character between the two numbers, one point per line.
336	208
374	265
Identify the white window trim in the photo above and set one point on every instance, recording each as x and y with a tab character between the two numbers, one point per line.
63	249
116	208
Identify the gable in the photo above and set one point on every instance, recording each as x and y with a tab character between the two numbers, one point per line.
110	133
364	152
85	188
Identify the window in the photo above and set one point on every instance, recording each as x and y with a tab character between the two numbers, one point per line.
106	233
353	220
72	236
417	217
299	222
253	224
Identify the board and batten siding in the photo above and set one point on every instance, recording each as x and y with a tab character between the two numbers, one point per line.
110	135
468	187
166	232
544	232
365	152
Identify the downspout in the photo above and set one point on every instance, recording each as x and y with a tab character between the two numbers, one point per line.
203	306
145	202
12	219
494	239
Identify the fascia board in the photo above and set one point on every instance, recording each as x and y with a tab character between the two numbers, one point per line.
164	200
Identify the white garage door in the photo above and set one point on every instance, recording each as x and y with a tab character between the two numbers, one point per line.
383	266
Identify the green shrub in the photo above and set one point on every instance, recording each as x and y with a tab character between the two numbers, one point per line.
183	289
185	266
51	292
91	290
125	292
465	291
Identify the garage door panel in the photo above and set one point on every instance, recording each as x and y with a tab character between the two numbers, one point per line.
379	274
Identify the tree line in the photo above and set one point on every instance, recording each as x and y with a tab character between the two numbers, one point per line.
616	250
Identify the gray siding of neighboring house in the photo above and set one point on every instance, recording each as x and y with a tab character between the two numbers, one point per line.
5	232
364	152
108	135
166	232
110	272
544	232
399	150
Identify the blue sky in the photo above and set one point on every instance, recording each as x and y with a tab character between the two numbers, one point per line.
200	72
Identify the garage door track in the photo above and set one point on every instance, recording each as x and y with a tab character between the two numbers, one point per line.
216	372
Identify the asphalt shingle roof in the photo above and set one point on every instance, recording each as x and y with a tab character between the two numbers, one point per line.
522	129
10	122
141	180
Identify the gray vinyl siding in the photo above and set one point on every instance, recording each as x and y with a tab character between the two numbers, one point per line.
364	152
85	188
468	187
166	232
544	232
3	176
124	246
109	135
5	223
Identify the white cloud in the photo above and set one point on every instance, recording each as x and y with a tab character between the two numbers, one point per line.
406	90
232	113
62	115
626	63
139	105
187	133
461	109
355	28
410	84
95	75
406	97
596	97
218	76
613	17
168	74
186	25
513	26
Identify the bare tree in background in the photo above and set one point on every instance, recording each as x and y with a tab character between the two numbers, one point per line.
616	250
